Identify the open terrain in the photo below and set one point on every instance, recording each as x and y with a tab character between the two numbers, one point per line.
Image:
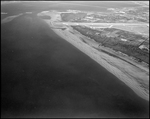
132	73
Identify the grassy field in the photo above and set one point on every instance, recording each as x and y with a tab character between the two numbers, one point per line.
136	29
141	29
131	28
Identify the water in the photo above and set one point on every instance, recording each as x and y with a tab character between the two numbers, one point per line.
45	76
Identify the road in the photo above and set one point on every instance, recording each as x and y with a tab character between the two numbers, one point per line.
125	24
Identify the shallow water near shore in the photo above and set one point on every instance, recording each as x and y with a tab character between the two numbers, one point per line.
45	76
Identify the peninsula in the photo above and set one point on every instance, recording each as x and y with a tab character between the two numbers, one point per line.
133	73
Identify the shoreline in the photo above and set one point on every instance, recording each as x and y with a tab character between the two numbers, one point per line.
10	18
131	76
93	54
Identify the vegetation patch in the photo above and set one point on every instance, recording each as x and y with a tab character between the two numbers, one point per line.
72	16
112	38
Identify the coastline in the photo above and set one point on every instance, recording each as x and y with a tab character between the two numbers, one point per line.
130	75
96	56
10	18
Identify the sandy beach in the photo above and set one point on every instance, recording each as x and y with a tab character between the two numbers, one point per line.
135	78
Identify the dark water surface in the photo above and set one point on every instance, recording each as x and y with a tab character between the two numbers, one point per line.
45	76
